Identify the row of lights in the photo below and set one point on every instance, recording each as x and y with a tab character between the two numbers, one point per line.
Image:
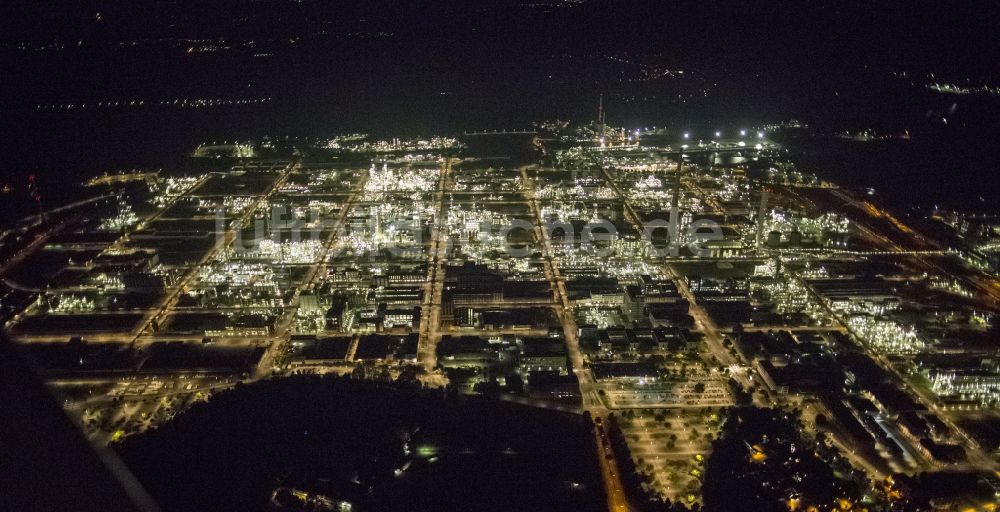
718	134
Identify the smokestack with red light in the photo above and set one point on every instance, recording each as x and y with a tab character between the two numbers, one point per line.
36	196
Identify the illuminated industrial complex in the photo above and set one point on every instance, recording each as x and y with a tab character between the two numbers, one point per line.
650	279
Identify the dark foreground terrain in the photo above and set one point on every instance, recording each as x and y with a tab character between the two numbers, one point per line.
379	446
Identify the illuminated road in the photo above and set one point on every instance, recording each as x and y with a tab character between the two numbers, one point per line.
617	501
590	399
220	243
430	311
703	321
316	271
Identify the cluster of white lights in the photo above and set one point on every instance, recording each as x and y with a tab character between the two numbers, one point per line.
394	145
885	335
237	274
649	182
122	220
789	295
952	286
810	228
236	204
561	212
467	224
601	317
792	175
406	179
107	282
70	303
304	251
982	386
512	266
163	191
